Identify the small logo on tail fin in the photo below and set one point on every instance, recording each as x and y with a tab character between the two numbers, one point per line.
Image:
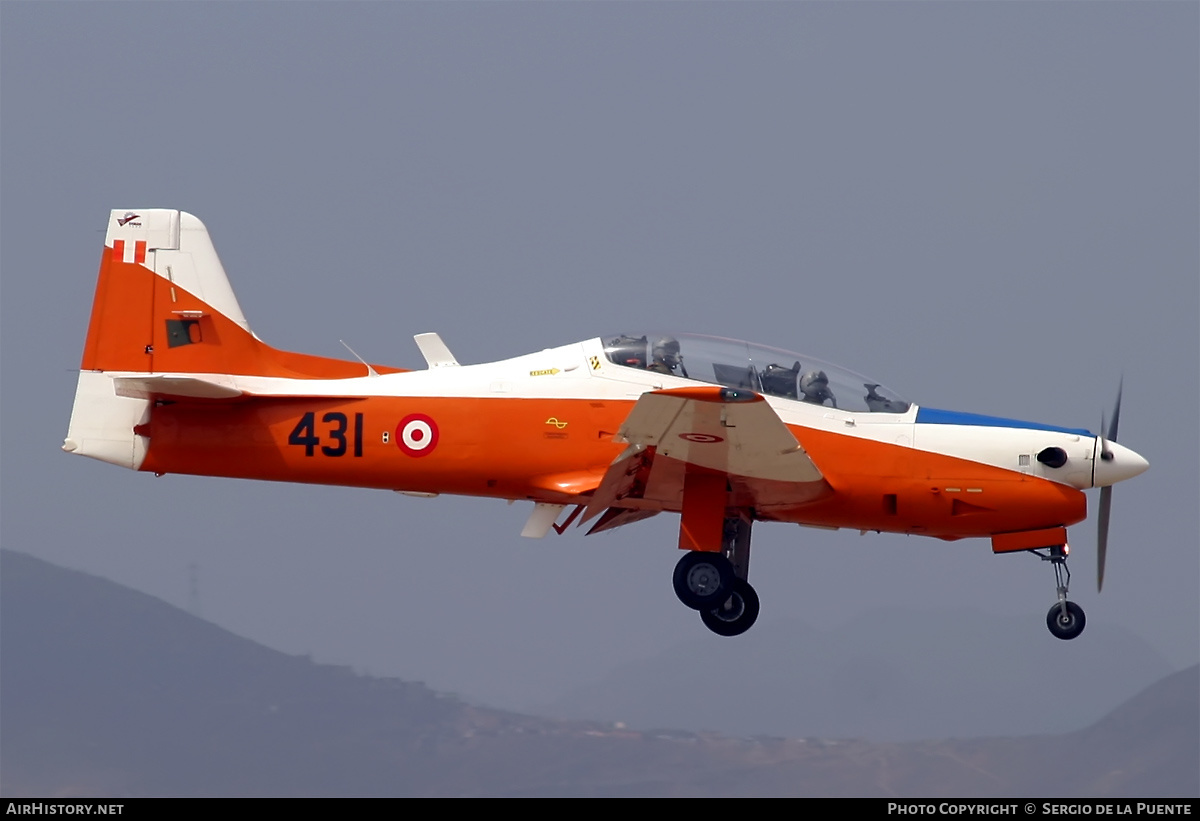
129	217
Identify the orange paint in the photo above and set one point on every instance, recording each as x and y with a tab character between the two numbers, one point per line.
706	393
129	332
495	447
498	446
702	520
1029	540
864	474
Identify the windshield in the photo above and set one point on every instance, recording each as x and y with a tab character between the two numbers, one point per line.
737	364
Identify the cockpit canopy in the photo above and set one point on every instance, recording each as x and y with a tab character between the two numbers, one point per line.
737	364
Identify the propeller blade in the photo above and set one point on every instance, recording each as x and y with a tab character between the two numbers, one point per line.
1108	433
1112	428
1111	434
1102	534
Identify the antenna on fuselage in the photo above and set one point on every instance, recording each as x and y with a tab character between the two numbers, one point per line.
436	354
370	371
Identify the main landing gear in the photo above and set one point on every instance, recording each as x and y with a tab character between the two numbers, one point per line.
1065	619
715	583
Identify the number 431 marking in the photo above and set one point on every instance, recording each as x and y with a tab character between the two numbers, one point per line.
305	434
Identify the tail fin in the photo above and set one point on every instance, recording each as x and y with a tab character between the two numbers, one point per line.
164	305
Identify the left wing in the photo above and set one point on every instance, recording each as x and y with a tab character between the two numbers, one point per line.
733	431
729	436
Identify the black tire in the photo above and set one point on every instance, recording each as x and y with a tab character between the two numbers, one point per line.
737	614
1069	626
703	579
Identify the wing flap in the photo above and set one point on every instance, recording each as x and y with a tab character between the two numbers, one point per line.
621	480
615	517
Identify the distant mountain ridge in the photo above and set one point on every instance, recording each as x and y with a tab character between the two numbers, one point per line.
887	675
107	691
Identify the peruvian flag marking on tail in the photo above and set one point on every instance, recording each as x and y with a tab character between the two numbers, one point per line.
125	252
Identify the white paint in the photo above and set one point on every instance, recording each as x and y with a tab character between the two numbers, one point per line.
541	518
435	351
417	435
1122	464
102	423
1003	447
179	250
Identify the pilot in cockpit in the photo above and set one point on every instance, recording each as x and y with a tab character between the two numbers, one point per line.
780	381
814	386
881	404
665	357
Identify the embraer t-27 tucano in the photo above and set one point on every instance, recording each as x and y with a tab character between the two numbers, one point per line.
615	428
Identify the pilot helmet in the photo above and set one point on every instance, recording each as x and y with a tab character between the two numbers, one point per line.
815	385
666	350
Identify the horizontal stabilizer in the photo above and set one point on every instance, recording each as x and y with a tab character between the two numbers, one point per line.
220	386
187	387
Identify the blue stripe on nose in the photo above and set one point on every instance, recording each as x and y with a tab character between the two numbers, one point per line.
933	416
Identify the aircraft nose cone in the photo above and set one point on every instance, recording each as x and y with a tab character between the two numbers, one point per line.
1124	464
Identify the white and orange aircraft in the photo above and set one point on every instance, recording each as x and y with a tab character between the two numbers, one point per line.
614	428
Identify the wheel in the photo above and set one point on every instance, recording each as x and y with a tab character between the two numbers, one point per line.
1066	626
737	614
702	579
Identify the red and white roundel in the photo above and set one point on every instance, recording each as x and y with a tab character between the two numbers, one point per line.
701	438
417	434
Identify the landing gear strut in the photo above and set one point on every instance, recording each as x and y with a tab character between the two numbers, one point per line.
1065	619
715	583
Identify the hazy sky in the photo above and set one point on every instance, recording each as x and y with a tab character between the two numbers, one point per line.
989	207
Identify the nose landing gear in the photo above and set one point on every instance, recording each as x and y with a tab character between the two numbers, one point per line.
1065	619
